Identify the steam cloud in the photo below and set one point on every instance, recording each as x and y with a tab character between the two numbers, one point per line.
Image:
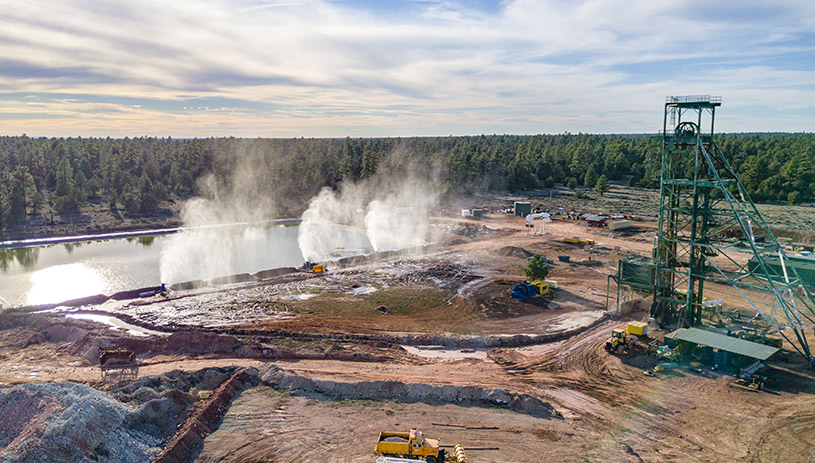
384	212
391	208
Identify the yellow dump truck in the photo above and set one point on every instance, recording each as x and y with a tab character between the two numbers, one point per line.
411	445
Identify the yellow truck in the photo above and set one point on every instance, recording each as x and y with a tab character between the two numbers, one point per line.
410	445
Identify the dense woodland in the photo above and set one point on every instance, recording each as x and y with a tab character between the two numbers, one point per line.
135	175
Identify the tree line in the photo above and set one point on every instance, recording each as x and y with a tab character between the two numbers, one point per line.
135	175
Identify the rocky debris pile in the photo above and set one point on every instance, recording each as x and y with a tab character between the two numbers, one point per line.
409	392
69	422
146	388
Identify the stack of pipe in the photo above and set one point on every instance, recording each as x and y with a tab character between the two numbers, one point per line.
458	452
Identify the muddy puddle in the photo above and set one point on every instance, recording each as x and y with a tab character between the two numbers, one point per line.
446	353
115	324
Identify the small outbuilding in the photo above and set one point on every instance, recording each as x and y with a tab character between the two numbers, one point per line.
594	220
522	208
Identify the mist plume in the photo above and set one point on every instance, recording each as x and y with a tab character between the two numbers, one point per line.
206	248
391	208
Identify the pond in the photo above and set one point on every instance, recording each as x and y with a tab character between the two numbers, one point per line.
58	272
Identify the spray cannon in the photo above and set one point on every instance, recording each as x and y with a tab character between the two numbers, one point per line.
311	267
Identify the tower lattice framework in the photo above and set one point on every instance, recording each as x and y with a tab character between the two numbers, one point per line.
712	237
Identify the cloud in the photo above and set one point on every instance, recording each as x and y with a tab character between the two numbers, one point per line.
336	68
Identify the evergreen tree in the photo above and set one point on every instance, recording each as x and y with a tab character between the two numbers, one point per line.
64	178
536	268
146	195
17	199
602	185
591	177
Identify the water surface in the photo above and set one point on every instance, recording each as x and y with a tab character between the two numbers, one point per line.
58	272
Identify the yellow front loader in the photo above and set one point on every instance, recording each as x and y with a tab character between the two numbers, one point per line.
619	341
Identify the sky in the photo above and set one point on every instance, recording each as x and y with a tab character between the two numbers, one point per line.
364	68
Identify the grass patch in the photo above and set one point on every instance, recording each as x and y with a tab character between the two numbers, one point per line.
400	301
362	403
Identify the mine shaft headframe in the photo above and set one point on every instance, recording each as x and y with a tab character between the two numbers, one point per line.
701	196
688	124
678	124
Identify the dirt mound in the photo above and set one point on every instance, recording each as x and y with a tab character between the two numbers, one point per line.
186	342
11	319
513	251
69	422
159	416
149	387
409	392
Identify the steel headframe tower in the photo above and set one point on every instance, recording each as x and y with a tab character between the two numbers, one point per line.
710	233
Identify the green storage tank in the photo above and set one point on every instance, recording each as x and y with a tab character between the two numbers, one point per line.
804	267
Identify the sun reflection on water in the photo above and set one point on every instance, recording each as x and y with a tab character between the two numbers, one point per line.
64	282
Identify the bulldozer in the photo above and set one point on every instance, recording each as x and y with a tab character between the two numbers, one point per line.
620	340
410	445
752	383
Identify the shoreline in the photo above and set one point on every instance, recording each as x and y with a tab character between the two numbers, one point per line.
32	242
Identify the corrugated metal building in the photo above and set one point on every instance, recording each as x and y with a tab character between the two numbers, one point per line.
718	349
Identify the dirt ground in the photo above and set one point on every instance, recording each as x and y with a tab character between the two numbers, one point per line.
385	321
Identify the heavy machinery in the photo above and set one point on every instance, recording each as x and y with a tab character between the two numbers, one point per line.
526	290
117	363
313	268
637	328
578	241
753	335
410	445
752	383
620	340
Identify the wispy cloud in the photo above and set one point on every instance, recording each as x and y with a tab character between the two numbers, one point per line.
365	68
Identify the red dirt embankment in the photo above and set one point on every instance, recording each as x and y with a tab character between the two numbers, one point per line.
190	436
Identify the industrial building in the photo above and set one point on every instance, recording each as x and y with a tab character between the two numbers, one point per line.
719	350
